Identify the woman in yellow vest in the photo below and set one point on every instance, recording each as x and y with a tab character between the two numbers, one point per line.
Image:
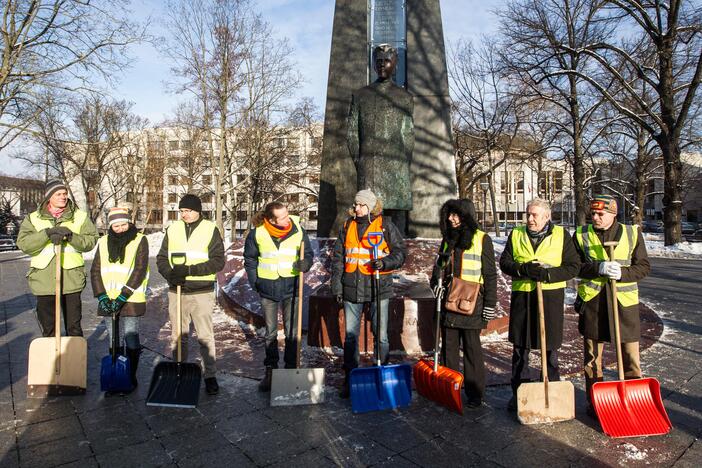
353	267
119	276
539	251
57	221
273	264
466	252
629	266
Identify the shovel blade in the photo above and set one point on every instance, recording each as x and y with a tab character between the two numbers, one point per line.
378	388
630	408
297	387
442	386
52	375
531	402
175	384
115	377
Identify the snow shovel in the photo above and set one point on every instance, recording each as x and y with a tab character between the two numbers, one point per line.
298	386
58	365
115	373
175	384
547	402
379	387
628	408
439	383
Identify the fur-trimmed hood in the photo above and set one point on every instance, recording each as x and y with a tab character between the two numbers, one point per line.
463	236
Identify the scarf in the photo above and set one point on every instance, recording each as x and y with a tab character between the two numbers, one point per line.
537	237
55	212
117	243
277	231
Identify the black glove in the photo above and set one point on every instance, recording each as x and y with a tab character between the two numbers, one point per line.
489	313
178	275
340	299
534	271
118	303
302	265
377	264
104	307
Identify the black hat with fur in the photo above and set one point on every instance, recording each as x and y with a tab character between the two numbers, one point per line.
462	236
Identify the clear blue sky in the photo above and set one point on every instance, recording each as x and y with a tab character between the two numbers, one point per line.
308	26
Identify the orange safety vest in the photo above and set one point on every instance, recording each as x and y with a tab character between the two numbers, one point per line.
359	253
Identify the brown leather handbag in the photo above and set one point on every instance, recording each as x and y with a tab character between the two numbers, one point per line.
462	295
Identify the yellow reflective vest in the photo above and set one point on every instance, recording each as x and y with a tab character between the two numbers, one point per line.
115	275
70	258
549	253
471	263
588	289
195	247
276	262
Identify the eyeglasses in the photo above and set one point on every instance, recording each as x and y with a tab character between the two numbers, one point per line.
359	204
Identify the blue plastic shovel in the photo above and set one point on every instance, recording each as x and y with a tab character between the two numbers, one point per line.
115	375
379	387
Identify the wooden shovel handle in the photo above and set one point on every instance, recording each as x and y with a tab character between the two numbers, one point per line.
57	308
300	292
615	312
179	324
542	338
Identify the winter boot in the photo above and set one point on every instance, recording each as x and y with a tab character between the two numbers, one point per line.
265	385
345	391
133	356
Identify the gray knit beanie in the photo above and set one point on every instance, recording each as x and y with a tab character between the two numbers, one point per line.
52	186
366	197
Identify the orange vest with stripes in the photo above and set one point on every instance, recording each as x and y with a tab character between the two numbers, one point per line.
359	252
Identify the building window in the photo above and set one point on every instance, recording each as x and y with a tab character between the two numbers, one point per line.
172	180
173	145
241	215
186	145
206	198
558	180
313	215
156	217
172	215
172	198
129	198
207	180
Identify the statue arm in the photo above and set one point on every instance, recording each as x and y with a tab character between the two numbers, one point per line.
352	130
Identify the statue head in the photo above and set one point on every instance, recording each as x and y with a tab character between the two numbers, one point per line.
384	61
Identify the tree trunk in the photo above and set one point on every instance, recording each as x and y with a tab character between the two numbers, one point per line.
672	190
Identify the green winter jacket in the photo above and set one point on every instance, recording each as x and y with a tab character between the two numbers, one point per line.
43	282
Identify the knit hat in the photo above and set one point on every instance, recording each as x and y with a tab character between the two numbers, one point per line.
117	215
52	186
604	203
191	202
366	197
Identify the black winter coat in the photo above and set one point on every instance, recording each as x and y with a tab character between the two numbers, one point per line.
595	316
523	309
277	289
488	290
357	287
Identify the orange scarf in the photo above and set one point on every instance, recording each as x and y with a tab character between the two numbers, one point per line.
276	231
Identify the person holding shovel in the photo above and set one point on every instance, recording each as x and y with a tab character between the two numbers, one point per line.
540	251
191	254
120	275
57	222
272	262
594	303
466	252
353	267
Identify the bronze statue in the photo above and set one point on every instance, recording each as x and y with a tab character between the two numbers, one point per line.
381	137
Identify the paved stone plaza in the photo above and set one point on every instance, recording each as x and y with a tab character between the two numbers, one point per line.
238	428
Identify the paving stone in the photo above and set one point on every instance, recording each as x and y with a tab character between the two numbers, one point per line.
89	462
35	411
163	421
8	441
246	425
150	453
305	460
48	431
692	456
355	450
398	461
184	444
9	458
226	409
224	457
441	452
273	446
56	453
319	432
109	428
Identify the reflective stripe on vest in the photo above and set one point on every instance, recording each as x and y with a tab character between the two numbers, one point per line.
115	275
588	289
70	257
359	253
471	264
276	262
195	247
549	253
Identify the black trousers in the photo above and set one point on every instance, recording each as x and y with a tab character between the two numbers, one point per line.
520	366
71	307
473	361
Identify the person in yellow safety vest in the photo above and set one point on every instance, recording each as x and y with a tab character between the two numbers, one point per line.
273	265
540	251
353	266
465	252
57	221
119	276
594	302
191	254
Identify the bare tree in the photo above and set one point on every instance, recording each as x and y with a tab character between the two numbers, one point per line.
60	44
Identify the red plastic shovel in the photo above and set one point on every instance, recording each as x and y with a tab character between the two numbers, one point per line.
628	408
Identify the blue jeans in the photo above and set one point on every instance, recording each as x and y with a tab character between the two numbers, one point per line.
270	312
352	317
